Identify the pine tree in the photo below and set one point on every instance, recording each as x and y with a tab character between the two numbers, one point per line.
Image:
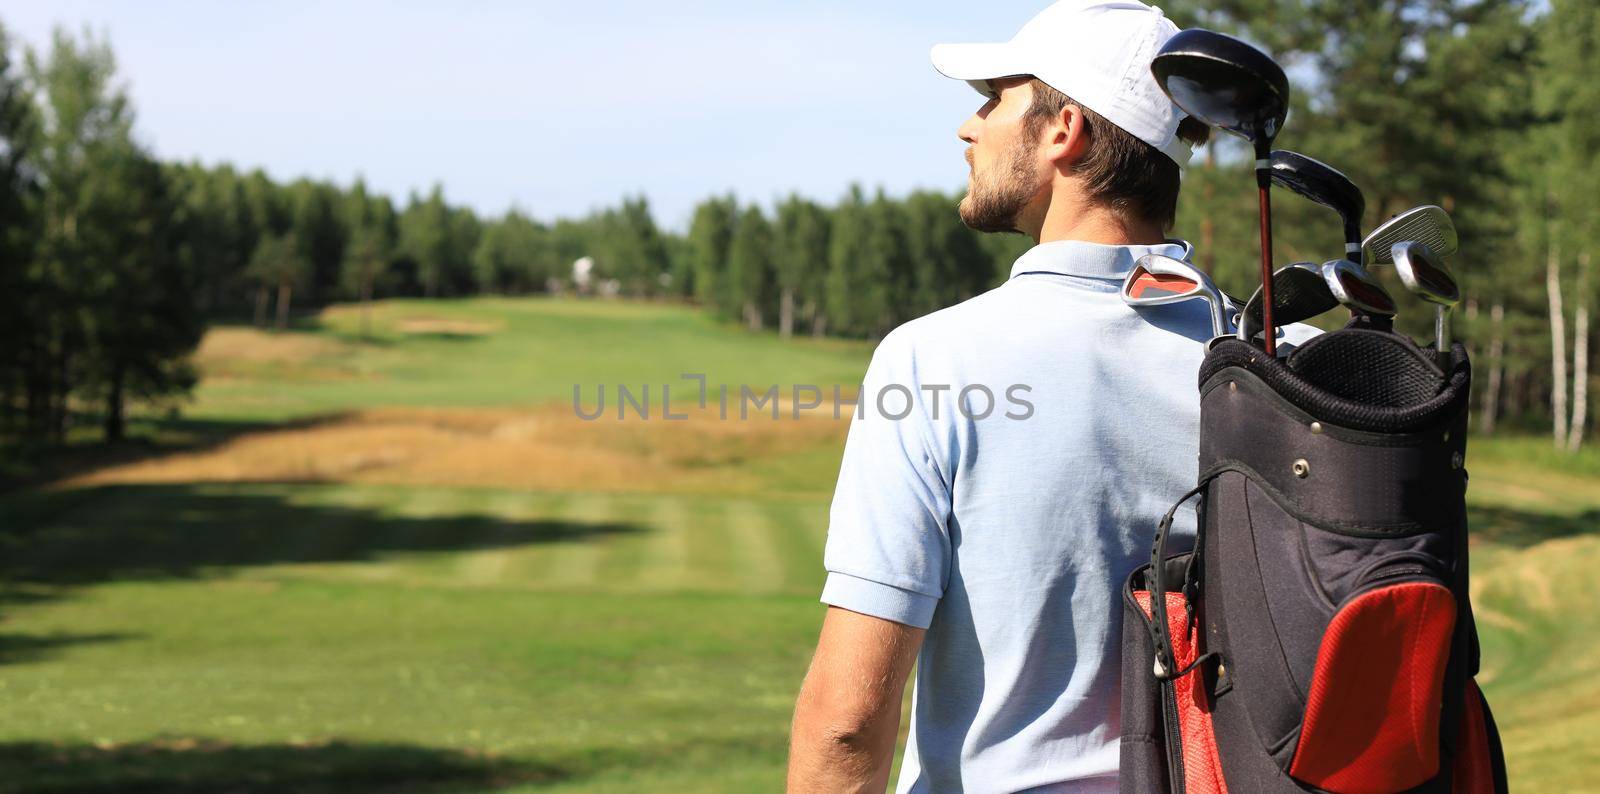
750	268
948	264
638	252
365	263
115	303
860	263
710	236
800	261
278	264
322	235
887	270
425	237
146	322
20	328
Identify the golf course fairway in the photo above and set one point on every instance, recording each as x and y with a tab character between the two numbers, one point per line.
400	562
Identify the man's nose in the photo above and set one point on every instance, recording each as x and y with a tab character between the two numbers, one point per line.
969	130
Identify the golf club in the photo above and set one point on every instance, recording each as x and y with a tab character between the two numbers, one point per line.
1298	293
1425	224
1231	85
1356	289
1426	275
1325	185
1158	280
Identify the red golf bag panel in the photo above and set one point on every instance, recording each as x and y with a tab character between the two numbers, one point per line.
1477	772
1202	768
1319	636
1371	719
1168	739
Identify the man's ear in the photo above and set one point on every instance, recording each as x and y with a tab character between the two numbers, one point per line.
1066	139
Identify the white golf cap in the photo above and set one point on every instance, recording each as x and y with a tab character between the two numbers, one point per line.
1096	51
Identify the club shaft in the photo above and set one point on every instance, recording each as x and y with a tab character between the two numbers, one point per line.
1268	329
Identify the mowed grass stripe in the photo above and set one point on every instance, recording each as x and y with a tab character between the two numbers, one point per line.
664	564
801	533
530	564
632	552
752	532
713	559
575	562
498	559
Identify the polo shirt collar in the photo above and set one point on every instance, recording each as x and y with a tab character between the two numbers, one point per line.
1087	260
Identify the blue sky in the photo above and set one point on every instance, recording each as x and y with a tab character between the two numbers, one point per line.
557	108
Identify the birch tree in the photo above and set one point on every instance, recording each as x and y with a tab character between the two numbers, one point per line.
1558	340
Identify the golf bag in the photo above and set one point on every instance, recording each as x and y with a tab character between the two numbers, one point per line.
1318	637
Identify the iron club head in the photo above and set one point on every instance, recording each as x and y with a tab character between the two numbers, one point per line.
1355	288
1425	275
1426	224
1158	280
1298	293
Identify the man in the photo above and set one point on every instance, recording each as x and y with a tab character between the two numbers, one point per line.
989	548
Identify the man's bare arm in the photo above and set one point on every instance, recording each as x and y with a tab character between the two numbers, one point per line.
848	713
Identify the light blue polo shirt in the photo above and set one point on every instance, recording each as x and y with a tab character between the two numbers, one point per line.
1003	476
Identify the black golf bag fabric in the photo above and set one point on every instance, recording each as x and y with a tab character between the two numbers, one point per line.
1318	637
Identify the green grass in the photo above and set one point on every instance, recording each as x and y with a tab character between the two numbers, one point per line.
339	637
531	351
1536	568
577	641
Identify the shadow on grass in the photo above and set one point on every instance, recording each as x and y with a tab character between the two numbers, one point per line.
25	464
16	648
192	766
1523	528
445	336
182	531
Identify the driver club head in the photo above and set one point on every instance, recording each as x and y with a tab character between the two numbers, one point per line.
1158	280
1426	224
1325	185
1298	293
1354	287
1224	82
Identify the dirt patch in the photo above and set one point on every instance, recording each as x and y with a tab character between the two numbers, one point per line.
545	449
444	326
228	354
223	347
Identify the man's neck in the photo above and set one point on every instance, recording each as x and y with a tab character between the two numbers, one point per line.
1066	217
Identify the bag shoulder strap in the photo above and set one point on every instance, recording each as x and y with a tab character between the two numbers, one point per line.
1166	665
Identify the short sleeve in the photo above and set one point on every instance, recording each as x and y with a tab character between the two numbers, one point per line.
888	541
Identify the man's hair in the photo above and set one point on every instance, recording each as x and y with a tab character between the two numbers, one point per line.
1121	171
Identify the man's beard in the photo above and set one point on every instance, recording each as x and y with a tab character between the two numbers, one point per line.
997	198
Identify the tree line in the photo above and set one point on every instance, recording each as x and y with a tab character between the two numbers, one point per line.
857	268
114	261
